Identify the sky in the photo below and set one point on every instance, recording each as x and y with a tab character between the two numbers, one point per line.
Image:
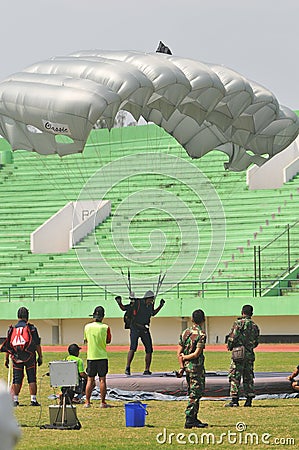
257	38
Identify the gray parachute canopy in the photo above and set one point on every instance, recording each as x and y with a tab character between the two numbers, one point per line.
204	106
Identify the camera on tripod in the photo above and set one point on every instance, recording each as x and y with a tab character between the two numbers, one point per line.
63	374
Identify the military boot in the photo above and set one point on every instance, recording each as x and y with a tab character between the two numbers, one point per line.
248	402
189	423
192	422
234	402
199	423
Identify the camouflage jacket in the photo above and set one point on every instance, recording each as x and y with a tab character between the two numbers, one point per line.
244	332
192	338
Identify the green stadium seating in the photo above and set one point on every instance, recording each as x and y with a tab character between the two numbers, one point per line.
35	187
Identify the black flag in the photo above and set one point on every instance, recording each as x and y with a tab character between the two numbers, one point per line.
163	49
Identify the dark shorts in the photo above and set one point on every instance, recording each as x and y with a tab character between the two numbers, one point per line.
145	336
18	371
97	367
295	383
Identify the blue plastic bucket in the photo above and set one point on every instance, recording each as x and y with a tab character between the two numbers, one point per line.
135	414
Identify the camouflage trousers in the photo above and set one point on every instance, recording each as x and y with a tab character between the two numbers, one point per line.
196	387
237	371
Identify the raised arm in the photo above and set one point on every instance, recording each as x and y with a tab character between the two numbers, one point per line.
162	303
119	302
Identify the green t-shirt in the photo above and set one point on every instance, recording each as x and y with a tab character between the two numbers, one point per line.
95	333
79	362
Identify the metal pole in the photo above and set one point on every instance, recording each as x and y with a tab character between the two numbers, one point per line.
260	270
254	269
289	247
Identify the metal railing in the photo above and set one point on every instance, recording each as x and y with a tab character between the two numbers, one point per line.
186	289
280	256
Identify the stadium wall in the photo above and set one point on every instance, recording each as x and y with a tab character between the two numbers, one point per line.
64	323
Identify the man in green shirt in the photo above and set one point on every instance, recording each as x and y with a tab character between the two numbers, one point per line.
97	335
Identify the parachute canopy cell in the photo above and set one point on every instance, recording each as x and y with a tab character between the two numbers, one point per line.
204	106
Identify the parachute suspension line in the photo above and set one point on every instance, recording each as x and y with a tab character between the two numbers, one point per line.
92	162
100	154
39	160
97	159
74	170
127	281
64	168
155	143
86	172
54	177
72	174
159	283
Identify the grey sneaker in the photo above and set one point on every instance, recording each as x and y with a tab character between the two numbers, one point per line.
87	405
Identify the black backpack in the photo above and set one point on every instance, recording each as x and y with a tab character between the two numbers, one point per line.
130	313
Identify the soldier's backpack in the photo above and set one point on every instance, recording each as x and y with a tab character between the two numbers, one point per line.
18	342
130	313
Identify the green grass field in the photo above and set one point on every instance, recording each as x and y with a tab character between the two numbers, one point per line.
269	422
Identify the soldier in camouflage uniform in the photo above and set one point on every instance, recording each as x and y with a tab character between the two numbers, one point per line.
245	333
191	359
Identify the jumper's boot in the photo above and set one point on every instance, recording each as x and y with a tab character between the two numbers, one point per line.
234	402
199	423
248	402
192	422
189	423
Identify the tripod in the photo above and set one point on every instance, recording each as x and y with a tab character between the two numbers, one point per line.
64	418
64	374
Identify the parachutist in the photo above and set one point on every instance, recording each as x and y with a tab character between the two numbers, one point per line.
137	318
163	49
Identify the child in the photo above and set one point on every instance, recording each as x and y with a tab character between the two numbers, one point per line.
74	350
191	358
